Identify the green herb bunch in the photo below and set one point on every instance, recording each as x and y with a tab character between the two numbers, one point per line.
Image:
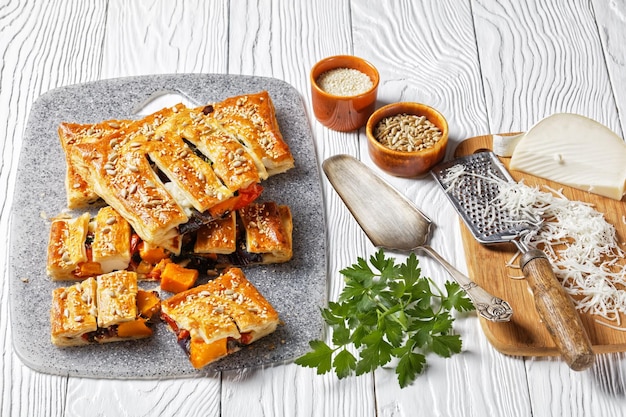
387	312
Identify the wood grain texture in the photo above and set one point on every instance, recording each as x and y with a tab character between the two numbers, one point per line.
489	66
611	21
42	46
275	39
161	37
188	396
536	60
524	335
150	38
422	60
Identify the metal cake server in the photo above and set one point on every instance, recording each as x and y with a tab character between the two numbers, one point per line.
391	221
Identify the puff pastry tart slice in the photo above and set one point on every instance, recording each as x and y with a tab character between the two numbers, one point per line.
98	310
176	169
110	247
119	170
261	233
79	193
252	119
83	247
217	237
268	231
217	318
66	247
74	314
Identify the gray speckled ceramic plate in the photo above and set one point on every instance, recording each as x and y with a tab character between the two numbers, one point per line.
297	289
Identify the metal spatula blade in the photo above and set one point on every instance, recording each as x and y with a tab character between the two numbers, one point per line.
472	184
391	221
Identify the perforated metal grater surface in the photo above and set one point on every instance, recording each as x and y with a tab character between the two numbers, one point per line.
472	185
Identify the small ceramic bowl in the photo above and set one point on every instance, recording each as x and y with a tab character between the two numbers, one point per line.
403	163
343	112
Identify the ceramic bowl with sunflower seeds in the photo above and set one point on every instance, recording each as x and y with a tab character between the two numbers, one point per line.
407	139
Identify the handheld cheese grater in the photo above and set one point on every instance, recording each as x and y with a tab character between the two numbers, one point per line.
472	184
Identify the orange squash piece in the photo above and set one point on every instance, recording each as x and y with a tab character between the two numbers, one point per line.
88	269
148	303
176	278
156	270
201	354
243	198
136	328
151	254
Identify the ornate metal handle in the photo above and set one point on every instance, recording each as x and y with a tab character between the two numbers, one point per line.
487	305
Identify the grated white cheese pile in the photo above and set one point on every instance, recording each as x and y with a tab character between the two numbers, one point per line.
580	243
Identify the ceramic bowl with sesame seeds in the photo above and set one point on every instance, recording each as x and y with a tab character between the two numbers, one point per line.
343	91
406	139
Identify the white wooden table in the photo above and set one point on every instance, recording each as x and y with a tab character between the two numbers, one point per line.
488	66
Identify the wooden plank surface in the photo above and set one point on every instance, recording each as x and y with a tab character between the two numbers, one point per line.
489	66
488	266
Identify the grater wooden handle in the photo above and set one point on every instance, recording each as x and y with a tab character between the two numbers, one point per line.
557	311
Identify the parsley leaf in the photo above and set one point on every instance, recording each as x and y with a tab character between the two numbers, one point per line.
344	363
319	357
387	311
456	298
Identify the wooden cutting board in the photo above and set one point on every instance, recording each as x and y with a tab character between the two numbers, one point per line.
525	335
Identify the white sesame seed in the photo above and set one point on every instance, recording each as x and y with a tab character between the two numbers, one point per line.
344	82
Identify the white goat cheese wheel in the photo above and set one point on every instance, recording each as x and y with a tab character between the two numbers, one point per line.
576	151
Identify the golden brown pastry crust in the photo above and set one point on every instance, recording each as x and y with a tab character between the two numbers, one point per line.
117	298
208	155
111	241
73	313
116	167
66	247
94	310
228	307
245	305
231	161
252	118
78	191
217	237
268	229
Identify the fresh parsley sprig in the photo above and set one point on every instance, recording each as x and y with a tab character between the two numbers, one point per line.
390	311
